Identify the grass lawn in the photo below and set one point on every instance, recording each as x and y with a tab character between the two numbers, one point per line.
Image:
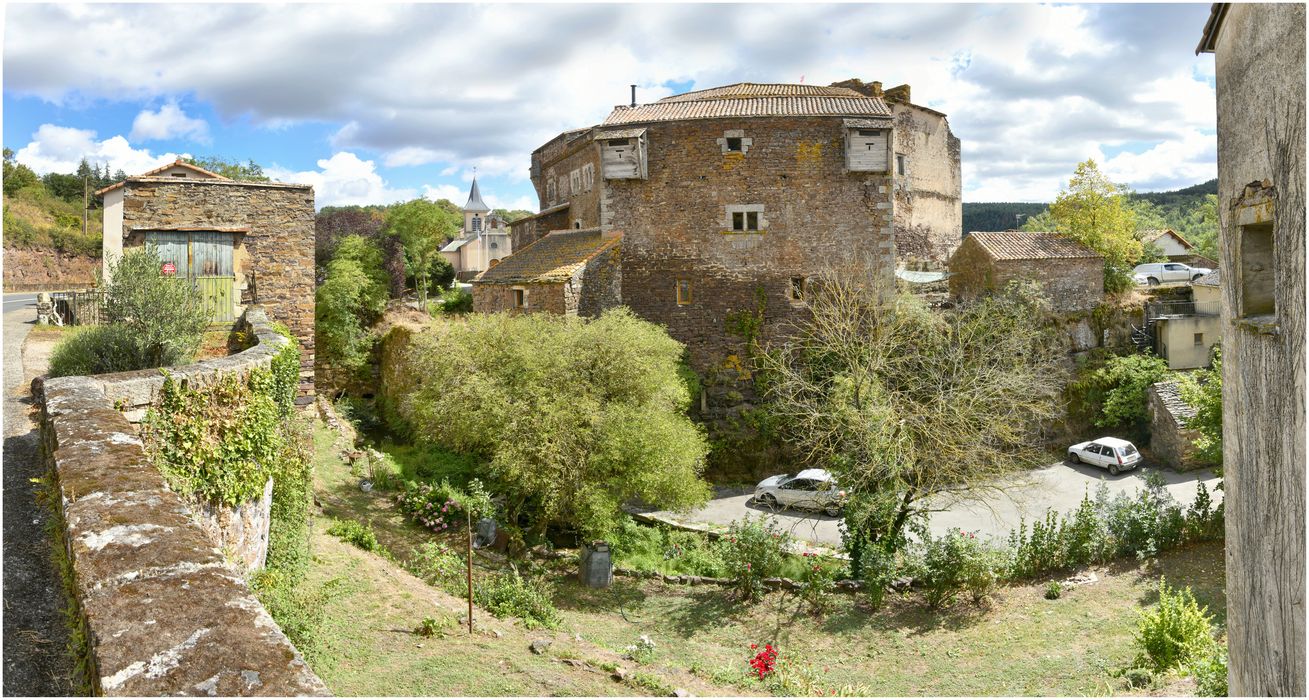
1022	644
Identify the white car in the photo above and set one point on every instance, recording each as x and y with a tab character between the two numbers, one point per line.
1112	453
1157	273
811	489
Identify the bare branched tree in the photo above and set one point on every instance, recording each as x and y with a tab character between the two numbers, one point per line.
901	402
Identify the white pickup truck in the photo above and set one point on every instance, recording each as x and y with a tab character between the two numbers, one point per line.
1163	273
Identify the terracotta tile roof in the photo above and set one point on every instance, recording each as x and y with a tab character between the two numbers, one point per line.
1213	279
1153	234
739	90
553	258
1170	395
179	163
753	100
1029	245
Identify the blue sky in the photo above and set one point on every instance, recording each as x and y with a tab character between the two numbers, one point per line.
381	103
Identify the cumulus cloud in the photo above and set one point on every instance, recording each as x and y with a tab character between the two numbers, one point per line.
1044	85
59	149
169	122
344	179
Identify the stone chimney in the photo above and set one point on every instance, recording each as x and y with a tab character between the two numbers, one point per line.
873	89
899	93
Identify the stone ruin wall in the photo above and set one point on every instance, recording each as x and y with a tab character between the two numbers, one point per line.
162	610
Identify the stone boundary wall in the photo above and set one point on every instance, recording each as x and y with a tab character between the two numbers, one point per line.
163	612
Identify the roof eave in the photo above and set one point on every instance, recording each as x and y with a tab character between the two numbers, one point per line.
1208	40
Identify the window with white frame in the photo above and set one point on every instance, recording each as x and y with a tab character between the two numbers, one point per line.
550	191
588	176
575	180
735	141
520	298
745	218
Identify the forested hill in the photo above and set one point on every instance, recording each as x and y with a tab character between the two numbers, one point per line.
1191	211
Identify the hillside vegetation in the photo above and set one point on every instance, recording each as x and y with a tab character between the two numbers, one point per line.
1190	211
36	219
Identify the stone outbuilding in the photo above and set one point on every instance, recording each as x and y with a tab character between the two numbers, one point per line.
239	242
1070	274
571	272
731	199
1175	247
1171	442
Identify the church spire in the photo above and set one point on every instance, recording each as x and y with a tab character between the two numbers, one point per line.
475	203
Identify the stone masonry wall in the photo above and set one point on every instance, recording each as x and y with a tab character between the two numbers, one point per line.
817	218
1071	284
279	244
162	611
541	298
601	283
929	196
1172	443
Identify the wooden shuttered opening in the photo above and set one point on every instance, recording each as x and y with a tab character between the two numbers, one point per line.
866	150
622	155
205	259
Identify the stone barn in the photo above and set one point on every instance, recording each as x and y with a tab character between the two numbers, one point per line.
731	199
1259	66
1070	274
239	242
572	272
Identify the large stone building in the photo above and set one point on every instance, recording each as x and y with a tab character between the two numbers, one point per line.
1070	274
1259	53
570	272
731	199
482	242
239	242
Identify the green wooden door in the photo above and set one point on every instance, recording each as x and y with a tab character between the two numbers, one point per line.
204	258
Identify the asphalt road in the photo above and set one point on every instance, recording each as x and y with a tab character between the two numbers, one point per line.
992	512
35	634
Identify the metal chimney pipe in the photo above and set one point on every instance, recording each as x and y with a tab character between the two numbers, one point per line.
633	95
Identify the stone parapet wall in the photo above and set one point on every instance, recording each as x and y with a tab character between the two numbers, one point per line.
163	612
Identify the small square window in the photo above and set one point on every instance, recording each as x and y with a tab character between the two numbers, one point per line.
752	221
1199	340
738	221
520	298
797	288
734	143
683	292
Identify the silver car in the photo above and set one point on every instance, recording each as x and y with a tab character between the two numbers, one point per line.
1156	273
811	489
1111	453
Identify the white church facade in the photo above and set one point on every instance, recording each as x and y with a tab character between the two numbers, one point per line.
483	242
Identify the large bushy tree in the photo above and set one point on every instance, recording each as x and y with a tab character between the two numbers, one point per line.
422	227
901	402
573	417
1094	211
350	299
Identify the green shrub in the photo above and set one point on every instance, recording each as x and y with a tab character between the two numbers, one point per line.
1176	632
299	610
165	316
1118	388
456	302
355	533
1053	590
879	568
441	567
91	350
350	299
818	585
434	626
753	550
957	563
511	595
440	506
288	529
1210	672
1145	524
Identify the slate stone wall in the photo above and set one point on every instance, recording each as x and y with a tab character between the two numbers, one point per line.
1172	443
163	612
277	271
1071	284
542	297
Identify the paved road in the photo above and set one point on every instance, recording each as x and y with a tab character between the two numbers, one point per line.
35	637
22	300
992	514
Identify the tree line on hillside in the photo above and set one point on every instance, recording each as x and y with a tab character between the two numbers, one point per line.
1191	211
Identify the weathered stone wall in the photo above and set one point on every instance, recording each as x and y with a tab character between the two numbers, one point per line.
163	612
557	165
817	218
601	283
279	271
542	297
929	196
1260	69
525	232
1171	443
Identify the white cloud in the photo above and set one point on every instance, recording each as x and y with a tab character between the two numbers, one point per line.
170	122
344	179
59	149
1043	86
